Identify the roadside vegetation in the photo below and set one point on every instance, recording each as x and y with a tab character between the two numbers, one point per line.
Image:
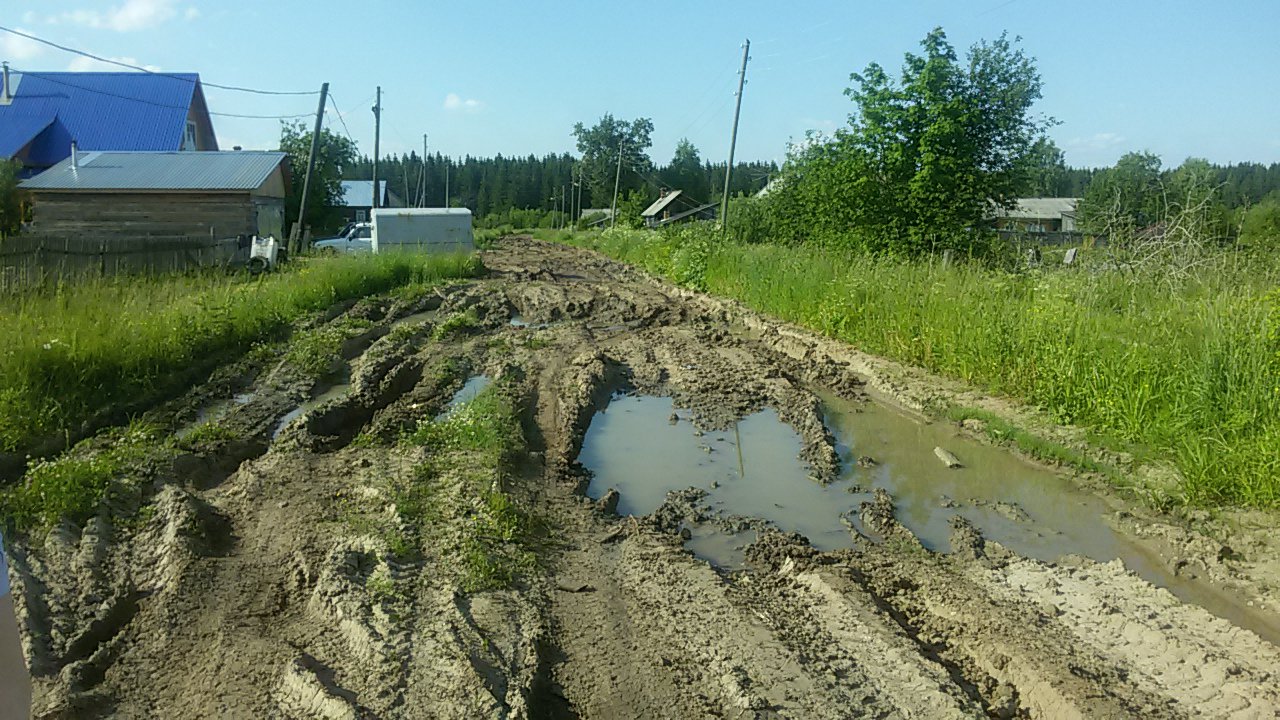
80	350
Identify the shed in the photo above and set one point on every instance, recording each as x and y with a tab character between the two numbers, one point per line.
138	194
42	113
660	209
357	199
1039	215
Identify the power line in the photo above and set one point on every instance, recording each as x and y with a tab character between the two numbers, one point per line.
118	63
334	103
47	78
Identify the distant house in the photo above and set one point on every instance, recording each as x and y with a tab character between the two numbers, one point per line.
595	216
663	211
357	199
41	114
1040	215
139	194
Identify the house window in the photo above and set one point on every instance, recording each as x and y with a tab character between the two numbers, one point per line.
361	216
189	139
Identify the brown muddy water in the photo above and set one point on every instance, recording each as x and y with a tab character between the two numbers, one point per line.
215	412
468	392
633	447
335	392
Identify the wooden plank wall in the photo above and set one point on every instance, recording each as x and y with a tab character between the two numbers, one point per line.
133	215
34	261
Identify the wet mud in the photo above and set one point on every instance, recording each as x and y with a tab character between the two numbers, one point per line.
729	524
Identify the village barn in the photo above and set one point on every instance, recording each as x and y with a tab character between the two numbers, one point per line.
357	199
1039	215
41	114
141	194
665	210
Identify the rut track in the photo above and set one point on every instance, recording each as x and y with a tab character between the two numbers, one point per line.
247	589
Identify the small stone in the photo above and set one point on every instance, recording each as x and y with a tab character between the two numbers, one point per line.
673	419
866	461
715	484
948	458
705	448
686	534
283	504
974	425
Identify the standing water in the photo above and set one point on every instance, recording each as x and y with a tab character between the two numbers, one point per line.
470	389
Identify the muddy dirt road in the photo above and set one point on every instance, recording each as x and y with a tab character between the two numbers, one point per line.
316	564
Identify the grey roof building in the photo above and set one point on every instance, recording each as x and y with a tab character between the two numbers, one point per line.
140	194
1039	215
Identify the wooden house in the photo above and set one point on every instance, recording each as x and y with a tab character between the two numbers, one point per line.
153	194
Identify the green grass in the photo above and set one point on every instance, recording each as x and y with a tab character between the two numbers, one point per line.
454	325
1003	431
1186	370
316	352
206	434
78	350
71	486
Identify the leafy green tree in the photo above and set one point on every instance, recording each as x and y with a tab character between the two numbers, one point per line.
325	192
686	173
1260	227
1046	169
599	144
926	156
11	198
1131	193
629	208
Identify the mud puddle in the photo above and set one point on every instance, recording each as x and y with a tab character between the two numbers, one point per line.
751	471
215	412
1032	511
468	392
335	392
414	319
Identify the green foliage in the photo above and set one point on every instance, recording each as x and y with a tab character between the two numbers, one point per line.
924	158
12	200
206	434
630	206
1001	430
455	325
1129	194
70	487
1046	171
1201	393
325	191
80	350
487	424
686	173
493	552
600	144
1260	224
315	353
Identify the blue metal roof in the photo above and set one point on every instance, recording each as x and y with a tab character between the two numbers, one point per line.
194	170
100	111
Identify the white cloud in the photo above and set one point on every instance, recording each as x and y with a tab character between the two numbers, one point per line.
454	102
30	17
13	47
84	64
129	16
192	13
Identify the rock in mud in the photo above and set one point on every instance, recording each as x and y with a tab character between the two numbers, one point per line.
608	503
947	457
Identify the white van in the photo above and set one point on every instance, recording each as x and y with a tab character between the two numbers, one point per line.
422	230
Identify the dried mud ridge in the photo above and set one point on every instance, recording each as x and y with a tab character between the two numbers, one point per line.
242	589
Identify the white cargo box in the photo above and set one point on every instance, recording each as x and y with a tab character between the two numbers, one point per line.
422	230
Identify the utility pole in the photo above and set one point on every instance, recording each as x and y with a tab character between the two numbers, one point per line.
422	192
733	139
580	184
295	239
377	136
446	180
564	214
617	177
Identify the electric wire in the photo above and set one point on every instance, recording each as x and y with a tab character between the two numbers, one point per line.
47	78
138	68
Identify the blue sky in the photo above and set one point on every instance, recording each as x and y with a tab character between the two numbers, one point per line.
1175	77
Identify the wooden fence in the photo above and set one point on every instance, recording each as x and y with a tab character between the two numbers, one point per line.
33	261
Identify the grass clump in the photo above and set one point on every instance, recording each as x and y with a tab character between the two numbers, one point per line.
78	350
455	325
71	487
316	352
206	434
1185	366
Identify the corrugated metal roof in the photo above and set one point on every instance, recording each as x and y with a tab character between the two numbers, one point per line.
17	132
100	111
661	203
359	193
1040	208
158	171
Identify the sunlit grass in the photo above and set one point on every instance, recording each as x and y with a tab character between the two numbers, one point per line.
1188	370
81	349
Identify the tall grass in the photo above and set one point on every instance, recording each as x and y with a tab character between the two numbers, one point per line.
1188	371
81	349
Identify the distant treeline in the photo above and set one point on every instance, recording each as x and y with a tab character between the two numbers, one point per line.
1239	185
500	184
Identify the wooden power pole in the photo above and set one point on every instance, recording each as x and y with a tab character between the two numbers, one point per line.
617	177
295	237
377	136
733	139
